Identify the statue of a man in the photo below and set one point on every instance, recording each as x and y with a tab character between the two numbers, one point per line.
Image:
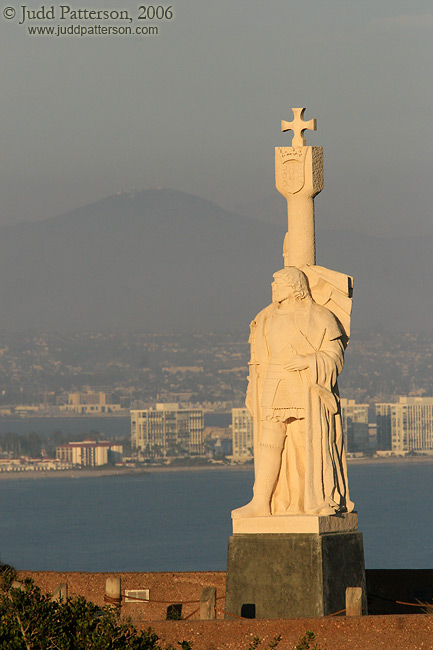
297	349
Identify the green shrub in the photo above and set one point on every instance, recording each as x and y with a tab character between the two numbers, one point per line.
29	620
305	642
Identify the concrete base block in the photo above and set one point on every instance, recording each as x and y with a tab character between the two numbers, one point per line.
293	575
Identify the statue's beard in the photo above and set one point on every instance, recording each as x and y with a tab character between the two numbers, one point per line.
298	296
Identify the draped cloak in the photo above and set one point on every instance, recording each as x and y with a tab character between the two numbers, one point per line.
321	340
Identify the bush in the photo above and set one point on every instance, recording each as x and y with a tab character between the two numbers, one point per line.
29	620
306	641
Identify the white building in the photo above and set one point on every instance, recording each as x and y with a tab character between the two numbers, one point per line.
167	430
89	403
406	425
354	419
89	453
242	430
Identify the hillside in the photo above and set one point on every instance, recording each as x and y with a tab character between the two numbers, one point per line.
170	261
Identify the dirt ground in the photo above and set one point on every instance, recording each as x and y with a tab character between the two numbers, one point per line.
396	632
401	632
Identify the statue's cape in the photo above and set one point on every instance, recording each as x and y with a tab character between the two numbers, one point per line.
332	290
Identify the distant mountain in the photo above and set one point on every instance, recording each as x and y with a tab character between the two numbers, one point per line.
169	261
271	209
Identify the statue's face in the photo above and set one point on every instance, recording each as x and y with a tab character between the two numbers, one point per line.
289	283
281	290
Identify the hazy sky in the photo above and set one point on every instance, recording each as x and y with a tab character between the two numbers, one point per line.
198	106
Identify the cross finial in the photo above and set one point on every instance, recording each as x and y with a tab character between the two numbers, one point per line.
298	126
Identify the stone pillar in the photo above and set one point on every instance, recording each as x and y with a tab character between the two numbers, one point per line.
113	591
299	177
353	601
208	603
60	593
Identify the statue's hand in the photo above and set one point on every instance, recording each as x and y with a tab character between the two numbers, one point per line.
297	363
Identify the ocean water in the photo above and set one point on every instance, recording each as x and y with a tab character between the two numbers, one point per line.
180	520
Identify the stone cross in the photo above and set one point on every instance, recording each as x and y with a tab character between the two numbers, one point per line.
299	177
298	126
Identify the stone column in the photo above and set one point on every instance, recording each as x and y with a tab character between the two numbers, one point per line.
208	603
60	593
113	591
299	178
354	601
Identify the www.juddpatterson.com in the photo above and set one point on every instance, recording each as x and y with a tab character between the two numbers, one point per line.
94	30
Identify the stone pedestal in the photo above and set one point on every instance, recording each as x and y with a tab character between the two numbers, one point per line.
289	575
339	523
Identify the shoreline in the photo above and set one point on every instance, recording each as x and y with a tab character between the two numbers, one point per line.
96	473
99	473
381	460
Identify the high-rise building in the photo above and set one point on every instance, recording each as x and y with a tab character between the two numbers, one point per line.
383	422
406	425
355	425
242	430
167	430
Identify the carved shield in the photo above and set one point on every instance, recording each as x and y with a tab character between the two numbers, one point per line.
293	175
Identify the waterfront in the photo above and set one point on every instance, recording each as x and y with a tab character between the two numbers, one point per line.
110	426
180	520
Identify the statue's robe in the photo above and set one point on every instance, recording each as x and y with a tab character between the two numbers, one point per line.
321	341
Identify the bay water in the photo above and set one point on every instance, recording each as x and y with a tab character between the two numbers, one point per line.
180	520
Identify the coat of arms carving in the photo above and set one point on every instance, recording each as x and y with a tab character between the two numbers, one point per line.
293	175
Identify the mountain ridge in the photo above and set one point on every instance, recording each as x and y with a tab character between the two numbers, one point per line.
165	260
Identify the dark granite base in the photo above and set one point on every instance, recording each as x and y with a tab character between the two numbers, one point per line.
292	575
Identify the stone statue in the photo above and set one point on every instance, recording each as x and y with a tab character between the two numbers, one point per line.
300	527
297	348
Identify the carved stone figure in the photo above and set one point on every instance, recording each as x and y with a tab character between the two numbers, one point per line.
300	527
297	348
